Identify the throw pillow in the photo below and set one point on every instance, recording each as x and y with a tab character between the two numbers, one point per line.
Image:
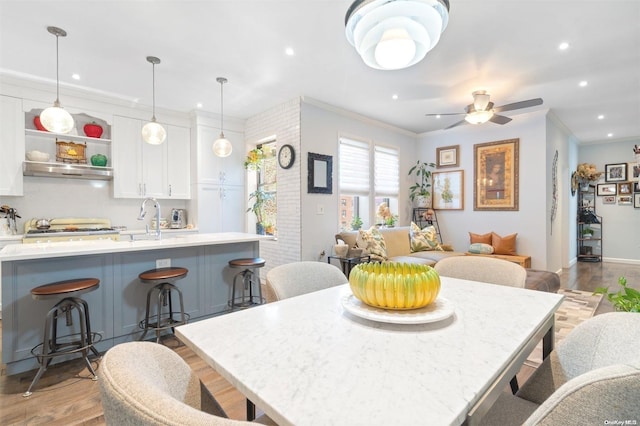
372	242
504	245
480	248
423	239
479	239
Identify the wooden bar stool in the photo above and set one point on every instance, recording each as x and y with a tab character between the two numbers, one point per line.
53	345
164	283
250	278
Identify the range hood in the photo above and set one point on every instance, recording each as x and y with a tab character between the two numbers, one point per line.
66	170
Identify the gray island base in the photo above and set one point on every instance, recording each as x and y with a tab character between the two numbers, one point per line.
118	305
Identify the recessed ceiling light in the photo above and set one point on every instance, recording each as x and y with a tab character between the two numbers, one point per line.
609	135
600	117
438	116
199	105
289	51
75	76
583	83
563	46
394	97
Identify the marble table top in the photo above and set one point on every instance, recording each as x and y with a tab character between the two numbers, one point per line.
305	360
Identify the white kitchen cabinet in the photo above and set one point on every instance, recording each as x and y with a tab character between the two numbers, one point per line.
219	170
144	170
12	143
221	208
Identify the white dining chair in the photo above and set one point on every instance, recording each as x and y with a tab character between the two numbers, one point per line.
483	269
593	375
294	279
144	383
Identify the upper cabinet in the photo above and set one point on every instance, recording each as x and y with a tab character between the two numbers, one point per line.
144	170
216	170
12	142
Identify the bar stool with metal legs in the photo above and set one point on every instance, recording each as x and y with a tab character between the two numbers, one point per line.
250	278
53	345
164	280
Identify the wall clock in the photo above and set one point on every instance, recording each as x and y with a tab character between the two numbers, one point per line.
286	156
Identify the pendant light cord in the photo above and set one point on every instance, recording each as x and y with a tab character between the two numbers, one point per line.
221	109
153	90
57	102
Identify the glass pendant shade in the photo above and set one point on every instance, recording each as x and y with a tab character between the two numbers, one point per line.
153	133
222	147
479	117
56	119
395	34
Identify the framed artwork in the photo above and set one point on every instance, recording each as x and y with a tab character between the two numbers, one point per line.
636	186
625	199
447	156
636	201
320	171
607	189
624	188
609	199
615	172
496	175
634	171
448	190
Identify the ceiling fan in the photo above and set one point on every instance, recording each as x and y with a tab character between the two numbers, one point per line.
482	110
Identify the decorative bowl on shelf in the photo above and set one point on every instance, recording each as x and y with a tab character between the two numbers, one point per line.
93	130
395	285
38	124
37	156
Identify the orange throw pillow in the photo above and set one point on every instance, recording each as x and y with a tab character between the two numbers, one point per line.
480	239
504	245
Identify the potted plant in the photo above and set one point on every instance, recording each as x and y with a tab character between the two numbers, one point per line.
626	299
261	197
587	232
356	223
254	159
420	190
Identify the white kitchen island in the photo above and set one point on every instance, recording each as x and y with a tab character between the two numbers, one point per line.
118	305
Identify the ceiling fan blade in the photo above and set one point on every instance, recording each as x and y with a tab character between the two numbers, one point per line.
459	123
499	119
446	113
518	105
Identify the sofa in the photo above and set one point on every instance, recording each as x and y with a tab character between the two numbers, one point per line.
398	249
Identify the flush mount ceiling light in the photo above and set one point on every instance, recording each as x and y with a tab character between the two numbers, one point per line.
395	34
152	132
55	118
222	147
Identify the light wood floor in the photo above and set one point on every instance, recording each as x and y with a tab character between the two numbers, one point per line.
66	395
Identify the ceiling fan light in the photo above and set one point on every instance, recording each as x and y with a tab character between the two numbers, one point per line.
56	119
380	30
153	133
480	101
478	117
222	147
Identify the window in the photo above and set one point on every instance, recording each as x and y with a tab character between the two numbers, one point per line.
263	184
359	193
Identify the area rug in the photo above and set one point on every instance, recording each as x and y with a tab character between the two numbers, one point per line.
577	306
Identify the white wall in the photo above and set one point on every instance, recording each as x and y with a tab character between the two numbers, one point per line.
621	223
530	222
322	125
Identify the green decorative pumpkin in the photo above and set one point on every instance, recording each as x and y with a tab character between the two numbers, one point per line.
99	160
395	285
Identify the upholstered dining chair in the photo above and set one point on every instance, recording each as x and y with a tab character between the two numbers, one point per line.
592	376
143	383
484	269
294	279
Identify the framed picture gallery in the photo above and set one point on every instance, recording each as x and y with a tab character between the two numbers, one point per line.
447	156
496	175
607	189
609	199
615	172
636	200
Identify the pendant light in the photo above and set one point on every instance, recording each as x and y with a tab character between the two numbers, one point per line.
56	119
222	147
152	132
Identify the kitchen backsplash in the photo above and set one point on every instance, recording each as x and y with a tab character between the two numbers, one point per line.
54	197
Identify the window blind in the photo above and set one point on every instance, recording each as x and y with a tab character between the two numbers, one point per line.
387	171
354	167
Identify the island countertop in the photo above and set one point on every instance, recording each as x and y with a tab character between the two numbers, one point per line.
81	248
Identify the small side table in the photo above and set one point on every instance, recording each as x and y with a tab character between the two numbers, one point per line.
348	263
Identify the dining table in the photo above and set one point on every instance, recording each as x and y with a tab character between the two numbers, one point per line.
325	358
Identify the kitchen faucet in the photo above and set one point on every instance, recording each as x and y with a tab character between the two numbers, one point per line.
143	212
